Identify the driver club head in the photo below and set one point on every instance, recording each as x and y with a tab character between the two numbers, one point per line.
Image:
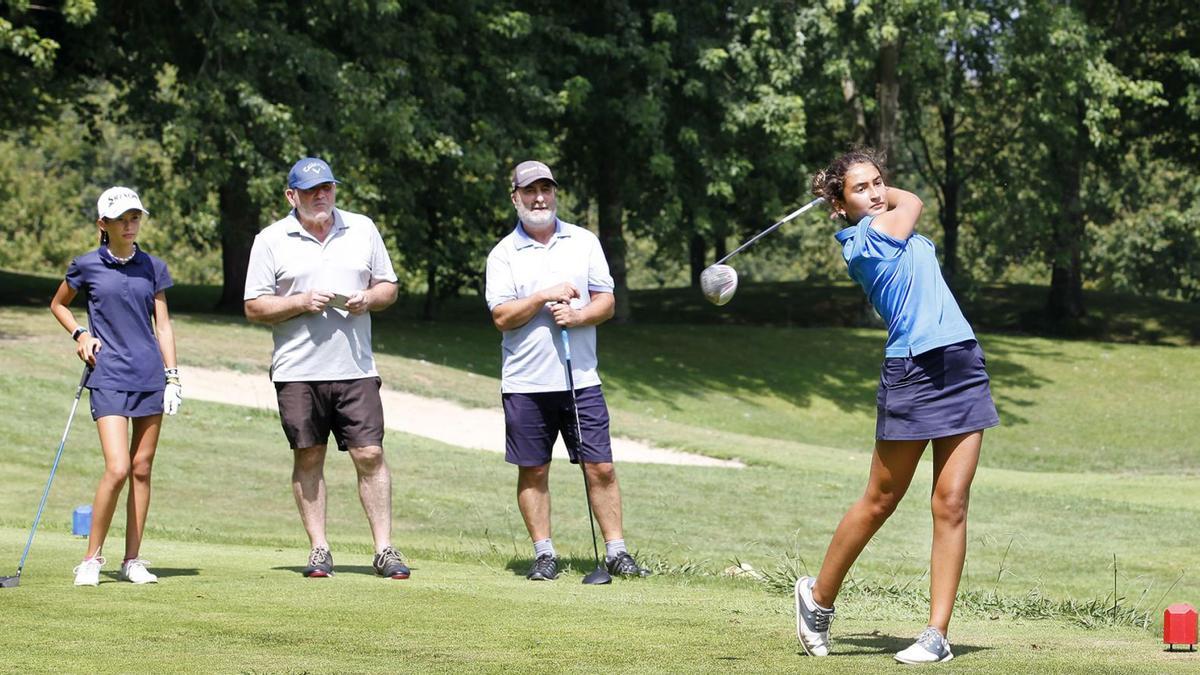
598	576
718	283
10	582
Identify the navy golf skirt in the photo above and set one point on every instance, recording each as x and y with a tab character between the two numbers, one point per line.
106	402
942	392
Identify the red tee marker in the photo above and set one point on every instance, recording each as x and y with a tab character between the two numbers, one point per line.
1179	626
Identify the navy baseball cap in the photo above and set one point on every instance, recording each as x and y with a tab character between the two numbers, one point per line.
310	172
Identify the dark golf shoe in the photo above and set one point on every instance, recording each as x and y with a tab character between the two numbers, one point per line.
623	565
545	568
390	564
320	563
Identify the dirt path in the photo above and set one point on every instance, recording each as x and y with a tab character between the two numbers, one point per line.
439	419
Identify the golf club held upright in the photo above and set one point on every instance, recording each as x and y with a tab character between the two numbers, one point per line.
598	575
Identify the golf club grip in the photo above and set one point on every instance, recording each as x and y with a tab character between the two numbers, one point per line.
87	372
772	228
566	342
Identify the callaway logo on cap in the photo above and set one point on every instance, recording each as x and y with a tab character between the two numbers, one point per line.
310	172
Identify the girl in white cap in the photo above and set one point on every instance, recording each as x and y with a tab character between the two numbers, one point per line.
130	348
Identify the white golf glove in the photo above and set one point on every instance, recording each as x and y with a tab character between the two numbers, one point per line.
173	395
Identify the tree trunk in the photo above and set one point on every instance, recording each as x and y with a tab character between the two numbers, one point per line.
854	103
889	96
1066	274
612	237
429	309
696	247
240	221
950	195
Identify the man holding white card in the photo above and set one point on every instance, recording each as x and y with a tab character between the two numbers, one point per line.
313	276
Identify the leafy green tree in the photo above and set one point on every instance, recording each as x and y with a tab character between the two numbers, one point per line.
1069	101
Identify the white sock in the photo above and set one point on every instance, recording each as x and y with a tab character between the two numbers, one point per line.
543	547
614	548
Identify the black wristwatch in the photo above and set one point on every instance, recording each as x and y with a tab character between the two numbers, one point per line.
78	331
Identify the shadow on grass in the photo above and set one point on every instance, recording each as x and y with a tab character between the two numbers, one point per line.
367	570
167	572
876	643
567	565
161	573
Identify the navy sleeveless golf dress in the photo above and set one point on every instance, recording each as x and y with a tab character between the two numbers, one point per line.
933	382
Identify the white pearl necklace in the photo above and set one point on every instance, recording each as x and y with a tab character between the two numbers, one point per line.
126	259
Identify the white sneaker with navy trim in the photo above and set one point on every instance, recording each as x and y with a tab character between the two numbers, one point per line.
931	647
812	620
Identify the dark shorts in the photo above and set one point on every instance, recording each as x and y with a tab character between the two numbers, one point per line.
532	422
351	409
106	402
943	392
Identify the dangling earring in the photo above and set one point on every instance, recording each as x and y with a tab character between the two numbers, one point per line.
103	238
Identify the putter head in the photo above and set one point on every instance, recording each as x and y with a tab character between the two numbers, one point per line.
10	582
718	283
598	576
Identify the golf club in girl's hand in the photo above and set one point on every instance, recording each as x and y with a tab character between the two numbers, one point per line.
719	282
15	580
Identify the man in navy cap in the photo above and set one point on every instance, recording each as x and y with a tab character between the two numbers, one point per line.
313	277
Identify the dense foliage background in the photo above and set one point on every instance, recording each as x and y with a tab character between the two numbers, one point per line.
1055	143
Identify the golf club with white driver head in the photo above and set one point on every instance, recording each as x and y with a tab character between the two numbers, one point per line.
719	282
15	580
598	575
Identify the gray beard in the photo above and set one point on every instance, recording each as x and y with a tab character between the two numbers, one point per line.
536	220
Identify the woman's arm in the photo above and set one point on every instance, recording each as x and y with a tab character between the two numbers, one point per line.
899	221
164	331
86	345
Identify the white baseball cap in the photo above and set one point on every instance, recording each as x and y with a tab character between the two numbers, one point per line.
117	200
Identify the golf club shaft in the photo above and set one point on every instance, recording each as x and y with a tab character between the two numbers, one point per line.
772	228
587	488
87	370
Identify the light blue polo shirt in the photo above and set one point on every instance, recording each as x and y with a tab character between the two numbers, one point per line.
287	260
518	267
905	284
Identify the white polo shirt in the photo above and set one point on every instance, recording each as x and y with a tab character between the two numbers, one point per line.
286	260
519	266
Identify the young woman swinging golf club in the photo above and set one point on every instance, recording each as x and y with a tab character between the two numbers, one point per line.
130	345
933	388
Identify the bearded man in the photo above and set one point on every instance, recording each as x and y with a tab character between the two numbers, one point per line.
544	277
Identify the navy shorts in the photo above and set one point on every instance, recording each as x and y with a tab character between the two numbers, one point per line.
106	402
351	409
942	392
532	422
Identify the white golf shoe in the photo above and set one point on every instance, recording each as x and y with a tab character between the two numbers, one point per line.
930	647
812	620
87	573
135	570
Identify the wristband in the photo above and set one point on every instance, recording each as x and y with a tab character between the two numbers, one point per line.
172	375
79	331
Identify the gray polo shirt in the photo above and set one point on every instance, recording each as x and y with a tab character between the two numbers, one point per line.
519	266
286	260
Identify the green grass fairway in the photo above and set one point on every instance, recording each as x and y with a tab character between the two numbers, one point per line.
1097	459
